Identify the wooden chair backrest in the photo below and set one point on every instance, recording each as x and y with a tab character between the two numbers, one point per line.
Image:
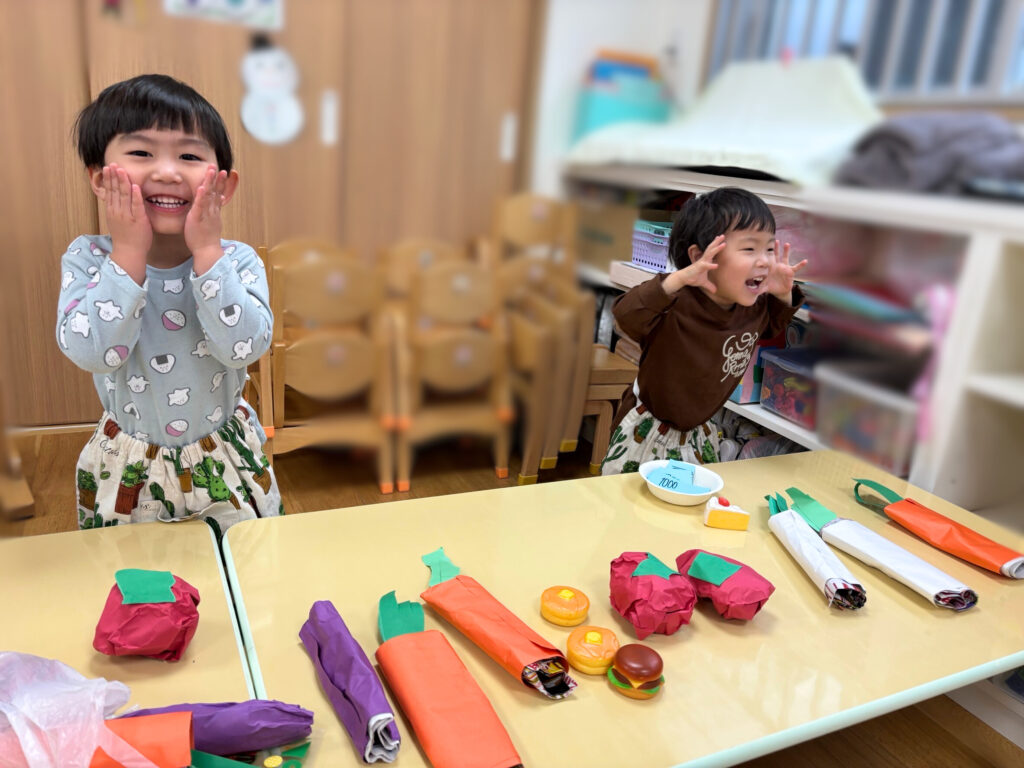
331	365
453	293
328	293
404	261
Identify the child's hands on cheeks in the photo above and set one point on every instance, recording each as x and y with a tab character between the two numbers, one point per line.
203	223
698	273
781	274
130	231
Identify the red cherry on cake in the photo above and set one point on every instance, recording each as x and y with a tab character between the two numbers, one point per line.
723	501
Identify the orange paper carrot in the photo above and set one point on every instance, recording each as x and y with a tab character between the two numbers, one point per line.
943	533
452	718
502	635
165	739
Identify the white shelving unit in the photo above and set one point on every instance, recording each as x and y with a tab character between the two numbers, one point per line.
972	455
778	425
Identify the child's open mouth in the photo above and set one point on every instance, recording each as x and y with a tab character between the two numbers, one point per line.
167	203
755	283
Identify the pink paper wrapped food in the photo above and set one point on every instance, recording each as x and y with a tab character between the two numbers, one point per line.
649	594
736	590
148	613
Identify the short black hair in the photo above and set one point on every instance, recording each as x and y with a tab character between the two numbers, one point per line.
708	215
144	102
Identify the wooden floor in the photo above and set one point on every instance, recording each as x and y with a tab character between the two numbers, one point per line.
936	732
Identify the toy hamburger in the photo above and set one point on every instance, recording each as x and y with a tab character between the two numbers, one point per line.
564	606
591	649
636	671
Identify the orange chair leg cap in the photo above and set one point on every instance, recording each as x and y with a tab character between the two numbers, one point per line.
403	486
501	472
387	487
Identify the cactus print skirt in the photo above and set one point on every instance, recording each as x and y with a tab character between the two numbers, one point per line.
641	436
124	480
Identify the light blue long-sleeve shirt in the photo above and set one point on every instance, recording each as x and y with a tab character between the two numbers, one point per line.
169	357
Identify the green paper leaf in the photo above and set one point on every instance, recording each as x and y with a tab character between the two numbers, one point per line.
711	568
299	751
206	760
141	586
889	496
397	618
441	568
652	566
816	515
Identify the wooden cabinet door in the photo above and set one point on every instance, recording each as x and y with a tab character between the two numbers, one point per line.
46	203
430	84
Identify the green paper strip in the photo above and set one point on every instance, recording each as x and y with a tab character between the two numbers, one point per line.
711	568
652	566
141	586
441	568
397	618
886	493
816	515
206	760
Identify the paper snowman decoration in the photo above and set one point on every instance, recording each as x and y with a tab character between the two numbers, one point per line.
270	110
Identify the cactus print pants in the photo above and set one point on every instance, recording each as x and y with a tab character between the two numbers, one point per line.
642	437
124	480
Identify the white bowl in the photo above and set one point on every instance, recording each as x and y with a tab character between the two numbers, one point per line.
701	476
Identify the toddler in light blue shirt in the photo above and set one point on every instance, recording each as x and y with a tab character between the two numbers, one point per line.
166	315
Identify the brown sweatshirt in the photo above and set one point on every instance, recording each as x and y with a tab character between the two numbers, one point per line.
692	351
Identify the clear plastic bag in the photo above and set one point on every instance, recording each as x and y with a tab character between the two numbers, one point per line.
52	717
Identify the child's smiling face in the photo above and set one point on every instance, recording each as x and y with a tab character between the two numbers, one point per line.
168	166
743	267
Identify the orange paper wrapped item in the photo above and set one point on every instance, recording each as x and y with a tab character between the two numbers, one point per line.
498	632
449	713
943	533
165	739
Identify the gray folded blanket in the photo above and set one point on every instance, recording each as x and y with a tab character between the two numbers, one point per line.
936	152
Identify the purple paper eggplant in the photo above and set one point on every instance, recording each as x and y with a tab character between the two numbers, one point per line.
231	728
350	683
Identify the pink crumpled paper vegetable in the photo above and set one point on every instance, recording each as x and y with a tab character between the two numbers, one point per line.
156	630
740	594
656	600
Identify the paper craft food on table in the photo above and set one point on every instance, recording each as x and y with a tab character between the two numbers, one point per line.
736	590
591	649
350	683
813	555
719	513
165	739
650	595
451	717
231	728
943	533
564	606
867	546
476	613
147	613
636	672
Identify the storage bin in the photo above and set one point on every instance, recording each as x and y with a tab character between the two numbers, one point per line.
862	409
650	245
787	384
748	390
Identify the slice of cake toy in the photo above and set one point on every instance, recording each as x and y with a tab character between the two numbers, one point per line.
719	513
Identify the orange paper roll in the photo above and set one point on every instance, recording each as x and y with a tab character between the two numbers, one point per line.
956	539
165	739
502	635
943	533
453	719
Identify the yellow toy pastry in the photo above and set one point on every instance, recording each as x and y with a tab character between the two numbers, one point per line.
564	606
591	649
719	513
